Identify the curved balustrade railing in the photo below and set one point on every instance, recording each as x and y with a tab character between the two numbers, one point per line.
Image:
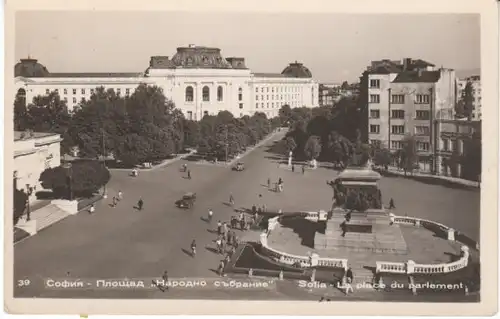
289	259
412	268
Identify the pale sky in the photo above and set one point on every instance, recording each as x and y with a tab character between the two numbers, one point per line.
335	47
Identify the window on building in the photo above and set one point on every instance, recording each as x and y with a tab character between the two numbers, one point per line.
422	130
92	91
256	105
374	98
267	105
47	91
190	115
396	145
422	115
118	91
189	94
272	89
398	99
446	144
397	129
74	100
267	90
74	91
205	92
375	84
256	98
261	90
205	113
423	146
66	99
127	92
240	94
83	91
272	105
256	90
241	105
220	94
65	91
267	97
262	105
422	99
375	114
398	114
375	129
57	91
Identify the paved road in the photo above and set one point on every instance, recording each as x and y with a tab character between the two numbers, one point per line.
122	242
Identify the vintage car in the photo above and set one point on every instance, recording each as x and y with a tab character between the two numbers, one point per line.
239	167
187	201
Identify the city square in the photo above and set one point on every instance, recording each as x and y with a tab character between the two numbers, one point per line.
122	242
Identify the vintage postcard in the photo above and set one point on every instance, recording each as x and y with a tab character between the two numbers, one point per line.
258	157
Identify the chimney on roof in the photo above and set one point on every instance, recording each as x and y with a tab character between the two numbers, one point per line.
406	64
192	45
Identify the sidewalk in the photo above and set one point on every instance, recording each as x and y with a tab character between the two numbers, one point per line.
239	157
162	164
395	171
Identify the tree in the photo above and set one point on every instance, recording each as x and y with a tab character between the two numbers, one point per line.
20	201
382	157
408	153
284	114
86	178
20	112
313	147
345	85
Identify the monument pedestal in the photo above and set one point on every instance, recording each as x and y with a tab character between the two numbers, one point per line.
364	232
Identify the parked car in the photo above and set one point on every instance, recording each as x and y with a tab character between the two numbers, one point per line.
239	167
187	200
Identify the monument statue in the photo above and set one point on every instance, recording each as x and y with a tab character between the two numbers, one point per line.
358	220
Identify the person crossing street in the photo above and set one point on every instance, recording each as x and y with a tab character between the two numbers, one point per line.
210	215
193	248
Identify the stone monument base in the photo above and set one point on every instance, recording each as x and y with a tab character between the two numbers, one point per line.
364	232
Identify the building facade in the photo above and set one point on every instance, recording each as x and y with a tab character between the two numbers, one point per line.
459	151
406	98
476	94
199	80
33	153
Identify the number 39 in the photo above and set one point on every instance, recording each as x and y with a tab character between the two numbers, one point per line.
23	283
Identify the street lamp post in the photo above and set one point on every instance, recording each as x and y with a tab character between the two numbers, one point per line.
69	177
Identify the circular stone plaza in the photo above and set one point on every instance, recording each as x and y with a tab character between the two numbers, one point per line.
306	242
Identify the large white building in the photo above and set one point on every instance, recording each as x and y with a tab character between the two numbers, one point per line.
34	152
199	80
476	94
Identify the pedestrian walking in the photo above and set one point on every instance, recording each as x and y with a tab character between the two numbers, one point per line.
242	224
92	209
114	201
231	199
303	169
349	281
293	168
219	228
120	195
140	204
218	242
165	280
189	174
268	182
220	270
391	204
210	215
229	238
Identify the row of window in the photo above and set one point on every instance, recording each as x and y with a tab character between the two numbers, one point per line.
205	92
400	114
400	98
273	105
421	146
277	97
279	89
84	91
400	129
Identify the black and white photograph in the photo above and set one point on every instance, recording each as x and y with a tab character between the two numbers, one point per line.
249	156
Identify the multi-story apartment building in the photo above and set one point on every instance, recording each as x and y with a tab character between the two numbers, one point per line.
459	151
476	94
199	80
405	98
